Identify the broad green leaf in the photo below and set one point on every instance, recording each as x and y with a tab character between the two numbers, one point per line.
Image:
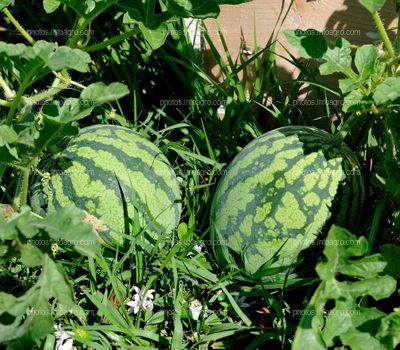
57	117
193	8
372	5
56	122
72	109
8	152
89	8
338	59
7	135
18	222
346	320
389	331
155	37
387	91
143	12
40	59
38	321
4	3
31	255
360	341
349	85
99	93
65	57
310	43
67	227
352	101
51	5
365	61
356	101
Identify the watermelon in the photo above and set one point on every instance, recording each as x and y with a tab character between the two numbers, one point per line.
113	173
278	194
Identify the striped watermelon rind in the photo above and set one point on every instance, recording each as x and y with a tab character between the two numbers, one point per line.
112	172
279	192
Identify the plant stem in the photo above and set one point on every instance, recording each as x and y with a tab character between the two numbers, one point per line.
111	41
24	33
53	90
25	186
79	27
21	196
20	94
345	129
7	90
383	33
375	224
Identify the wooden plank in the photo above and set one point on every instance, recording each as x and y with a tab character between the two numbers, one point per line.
336	18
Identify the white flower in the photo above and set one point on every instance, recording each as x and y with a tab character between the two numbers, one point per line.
140	300
241	302
198	248
221	112
195	308
64	339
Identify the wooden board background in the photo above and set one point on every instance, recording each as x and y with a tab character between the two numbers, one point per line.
328	16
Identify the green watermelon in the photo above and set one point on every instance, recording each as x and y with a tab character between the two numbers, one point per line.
279	192
113	173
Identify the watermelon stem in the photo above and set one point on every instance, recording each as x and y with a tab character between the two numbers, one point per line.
21	198
7	90
20	28
382	32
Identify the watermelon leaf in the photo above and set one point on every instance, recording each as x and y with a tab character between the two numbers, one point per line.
310	43
88	9
8	151
366	61
338	59
4	3
31	314
387	91
372	5
144	13
389	331
51	5
36	61
65	226
99	93
193	8
347	320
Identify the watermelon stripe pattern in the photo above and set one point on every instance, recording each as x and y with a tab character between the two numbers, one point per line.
279	192
99	164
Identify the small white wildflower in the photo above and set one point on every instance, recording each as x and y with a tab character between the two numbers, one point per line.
140	300
195	308
221	112
198	248
64	339
241	303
